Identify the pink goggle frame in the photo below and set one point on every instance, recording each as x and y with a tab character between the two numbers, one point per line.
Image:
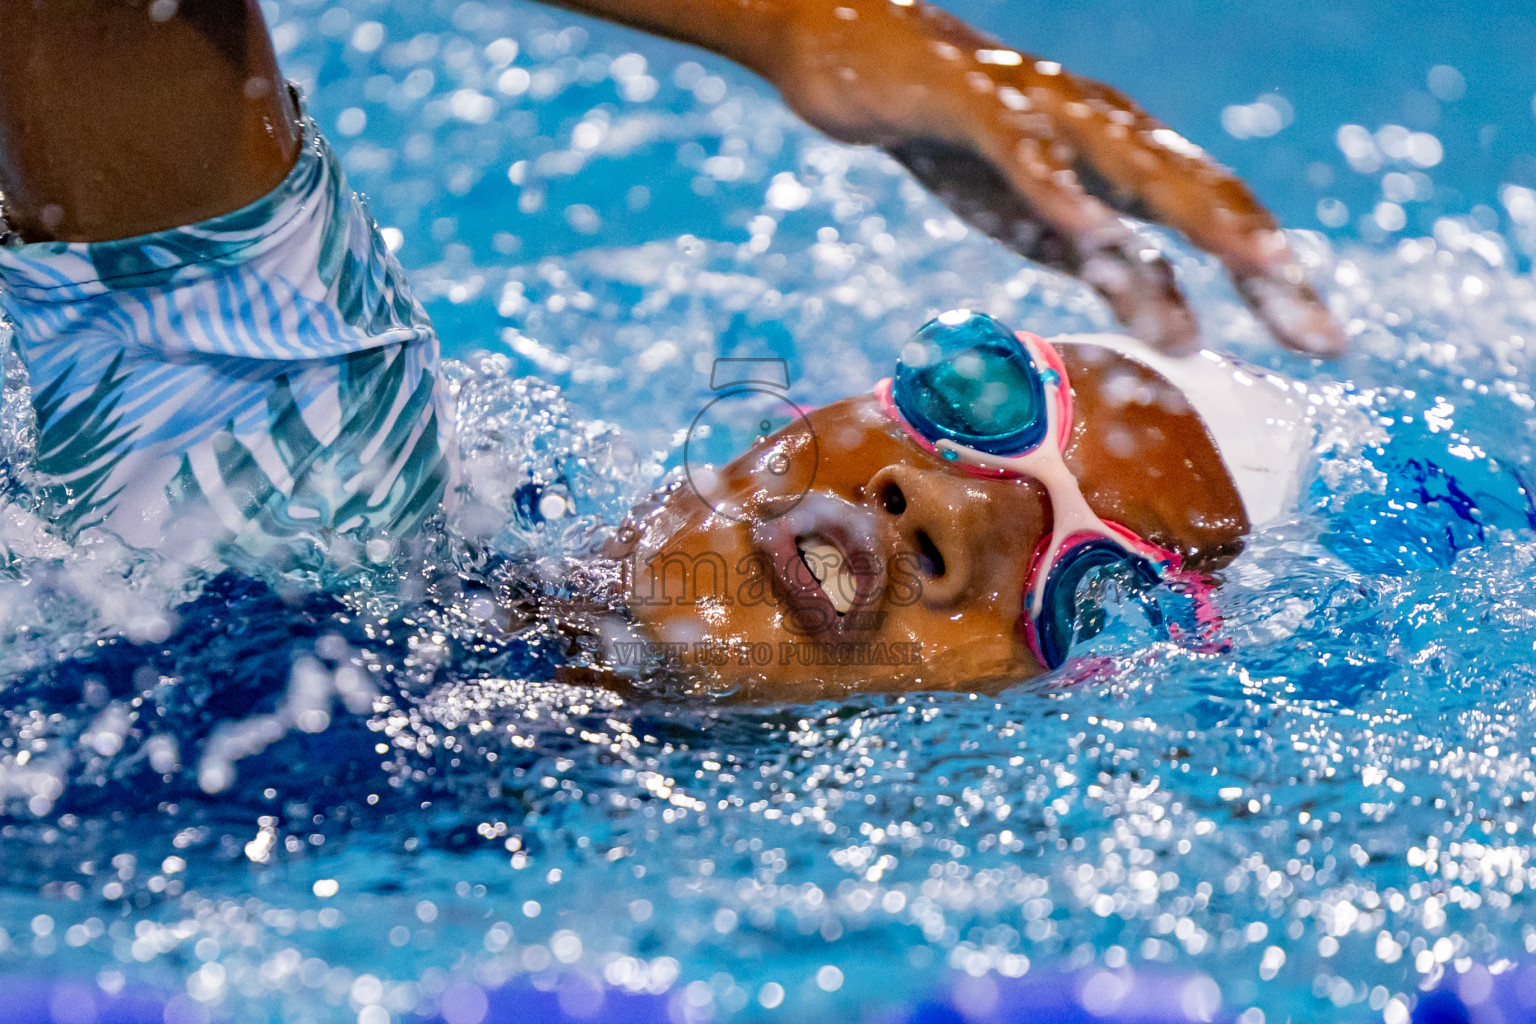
1073	522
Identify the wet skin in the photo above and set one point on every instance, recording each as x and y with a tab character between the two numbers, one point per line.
119	117
115	123
937	557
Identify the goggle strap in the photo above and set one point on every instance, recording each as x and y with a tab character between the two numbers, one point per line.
1072	518
1059	391
1070	513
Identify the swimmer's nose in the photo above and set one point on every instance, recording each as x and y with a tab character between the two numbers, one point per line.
944	529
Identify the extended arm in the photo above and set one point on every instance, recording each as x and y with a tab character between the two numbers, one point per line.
1036	155
119	117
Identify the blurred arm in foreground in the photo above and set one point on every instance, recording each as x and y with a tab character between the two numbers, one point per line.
1040	158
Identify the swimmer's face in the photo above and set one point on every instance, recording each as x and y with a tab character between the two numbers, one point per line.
896	570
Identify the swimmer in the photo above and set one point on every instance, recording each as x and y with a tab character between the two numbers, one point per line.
215	332
938	529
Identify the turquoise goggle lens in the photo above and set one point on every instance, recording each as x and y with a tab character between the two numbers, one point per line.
1060	622
965	377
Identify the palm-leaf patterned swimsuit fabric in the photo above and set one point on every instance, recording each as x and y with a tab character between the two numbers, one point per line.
264	377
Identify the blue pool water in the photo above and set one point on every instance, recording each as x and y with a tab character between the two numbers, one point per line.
338	799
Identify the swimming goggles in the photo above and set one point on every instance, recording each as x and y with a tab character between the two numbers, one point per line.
998	404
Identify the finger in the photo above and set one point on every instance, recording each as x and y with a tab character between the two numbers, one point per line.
1138	164
1083	238
979	195
1292	310
1139	284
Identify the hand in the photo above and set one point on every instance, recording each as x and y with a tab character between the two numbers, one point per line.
1041	159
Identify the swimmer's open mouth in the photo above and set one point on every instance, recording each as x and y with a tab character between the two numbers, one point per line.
830	569
825	572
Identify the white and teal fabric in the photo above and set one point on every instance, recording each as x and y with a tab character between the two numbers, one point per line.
265	374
